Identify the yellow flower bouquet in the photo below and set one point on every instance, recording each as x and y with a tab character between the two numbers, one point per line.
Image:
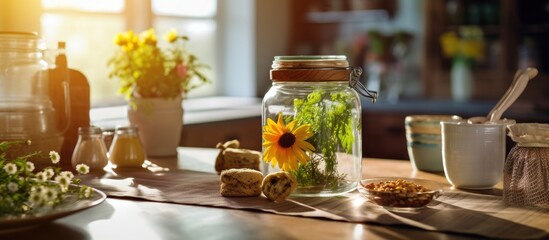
468	45
465	50
146	71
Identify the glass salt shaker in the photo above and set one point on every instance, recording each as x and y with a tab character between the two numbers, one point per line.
126	149
90	148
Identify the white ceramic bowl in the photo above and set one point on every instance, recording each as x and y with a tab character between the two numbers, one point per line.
423	139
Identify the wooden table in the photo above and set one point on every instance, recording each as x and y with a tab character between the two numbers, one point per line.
135	219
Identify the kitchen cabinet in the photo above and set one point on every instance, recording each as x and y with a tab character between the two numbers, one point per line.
336	27
514	33
383	135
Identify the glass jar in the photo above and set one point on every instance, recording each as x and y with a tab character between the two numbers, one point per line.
126	148
90	148
311	120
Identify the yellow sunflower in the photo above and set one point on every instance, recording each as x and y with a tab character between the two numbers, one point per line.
285	145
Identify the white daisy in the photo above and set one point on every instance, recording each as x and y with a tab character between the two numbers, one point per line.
30	166
49	173
13	187
10	168
54	156
35	198
25	208
67	174
49	193
87	191
41	177
63	182
82	168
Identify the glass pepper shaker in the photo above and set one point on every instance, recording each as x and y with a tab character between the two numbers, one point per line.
126	148
90	148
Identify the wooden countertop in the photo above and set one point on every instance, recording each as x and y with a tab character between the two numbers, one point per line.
135	219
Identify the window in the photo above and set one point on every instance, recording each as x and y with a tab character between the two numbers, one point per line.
89	28
196	20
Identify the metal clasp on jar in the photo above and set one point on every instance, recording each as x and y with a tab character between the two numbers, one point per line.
354	82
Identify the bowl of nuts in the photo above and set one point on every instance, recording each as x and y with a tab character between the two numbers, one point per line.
400	194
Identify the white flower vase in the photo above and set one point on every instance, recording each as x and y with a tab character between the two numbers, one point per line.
461	80
160	122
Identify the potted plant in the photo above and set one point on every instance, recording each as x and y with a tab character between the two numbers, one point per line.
154	82
464	49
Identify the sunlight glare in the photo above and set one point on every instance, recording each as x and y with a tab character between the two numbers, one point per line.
358	232
85	5
187	8
358	201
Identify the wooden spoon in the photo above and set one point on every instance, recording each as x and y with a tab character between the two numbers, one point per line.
515	89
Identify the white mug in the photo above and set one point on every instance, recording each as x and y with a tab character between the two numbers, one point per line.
473	155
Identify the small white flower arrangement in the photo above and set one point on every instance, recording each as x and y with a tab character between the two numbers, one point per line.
22	190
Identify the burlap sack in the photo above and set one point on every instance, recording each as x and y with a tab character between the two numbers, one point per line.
526	170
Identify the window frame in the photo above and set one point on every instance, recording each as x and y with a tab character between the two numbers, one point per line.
138	16
243	77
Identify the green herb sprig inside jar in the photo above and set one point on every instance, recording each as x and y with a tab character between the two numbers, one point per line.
312	123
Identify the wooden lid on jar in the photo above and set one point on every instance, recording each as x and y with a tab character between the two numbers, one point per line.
313	68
